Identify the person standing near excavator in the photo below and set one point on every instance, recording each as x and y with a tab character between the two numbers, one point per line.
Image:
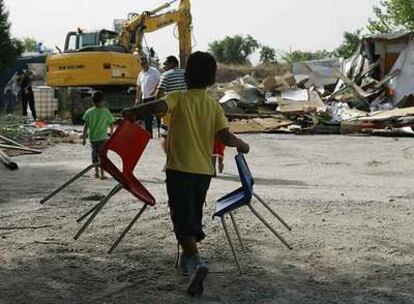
172	80
27	95
147	83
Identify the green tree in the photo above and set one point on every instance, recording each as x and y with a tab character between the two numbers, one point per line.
29	44
392	16
234	50
267	54
349	46
10	48
301	56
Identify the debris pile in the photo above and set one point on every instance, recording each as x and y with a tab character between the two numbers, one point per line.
39	133
18	137
372	92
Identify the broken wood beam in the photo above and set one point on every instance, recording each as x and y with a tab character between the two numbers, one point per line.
7	161
20	149
360	93
387	79
371	68
251	116
10	141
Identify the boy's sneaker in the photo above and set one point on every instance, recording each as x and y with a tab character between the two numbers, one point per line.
196	288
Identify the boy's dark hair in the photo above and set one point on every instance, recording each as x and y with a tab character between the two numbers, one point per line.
201	70
97	97
172	60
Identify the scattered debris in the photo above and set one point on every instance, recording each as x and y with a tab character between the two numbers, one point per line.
7	161
38	134
17	137
259	125
20	149
370	93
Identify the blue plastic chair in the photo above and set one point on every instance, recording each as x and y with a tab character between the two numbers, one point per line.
243	197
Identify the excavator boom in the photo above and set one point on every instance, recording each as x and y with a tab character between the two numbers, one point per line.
101	66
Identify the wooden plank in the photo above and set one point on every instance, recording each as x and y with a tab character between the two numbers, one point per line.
20	149
10	141
7	161
371	68
360	93
389	115
253	115
387	79
259	125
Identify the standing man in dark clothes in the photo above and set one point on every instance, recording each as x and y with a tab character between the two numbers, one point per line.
27	94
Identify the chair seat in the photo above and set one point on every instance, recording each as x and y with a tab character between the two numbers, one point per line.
242	197
232	201
139	191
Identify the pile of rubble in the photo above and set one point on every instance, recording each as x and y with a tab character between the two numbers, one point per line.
18	137
38	133
372	92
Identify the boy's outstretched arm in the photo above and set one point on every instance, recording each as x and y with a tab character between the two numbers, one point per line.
140	111
230	140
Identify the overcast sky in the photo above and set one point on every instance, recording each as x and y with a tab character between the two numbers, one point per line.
282	24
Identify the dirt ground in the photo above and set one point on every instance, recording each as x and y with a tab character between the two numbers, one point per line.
348	199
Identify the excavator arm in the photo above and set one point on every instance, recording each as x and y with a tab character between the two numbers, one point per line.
134	30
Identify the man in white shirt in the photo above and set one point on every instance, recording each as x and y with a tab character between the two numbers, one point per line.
147	84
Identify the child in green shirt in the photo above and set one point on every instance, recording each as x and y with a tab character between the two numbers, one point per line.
97	121
196	119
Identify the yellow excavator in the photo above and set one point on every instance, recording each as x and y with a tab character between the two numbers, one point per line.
107	60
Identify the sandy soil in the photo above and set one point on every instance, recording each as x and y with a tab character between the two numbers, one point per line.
349	200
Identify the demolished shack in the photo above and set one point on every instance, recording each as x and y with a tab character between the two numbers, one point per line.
331	96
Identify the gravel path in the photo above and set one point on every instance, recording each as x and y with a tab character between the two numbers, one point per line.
349	200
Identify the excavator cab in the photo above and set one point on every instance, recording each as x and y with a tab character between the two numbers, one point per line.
103	40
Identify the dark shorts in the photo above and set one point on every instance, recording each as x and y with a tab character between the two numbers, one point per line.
186	196
96	147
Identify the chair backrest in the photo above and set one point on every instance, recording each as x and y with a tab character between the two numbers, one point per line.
245	174
129	142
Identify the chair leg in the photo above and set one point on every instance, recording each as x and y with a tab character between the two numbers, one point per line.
269	227
88	213
69	182
236	228
223	221
272	211
127	229
177	260
103	202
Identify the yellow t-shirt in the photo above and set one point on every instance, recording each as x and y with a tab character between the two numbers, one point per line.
195	120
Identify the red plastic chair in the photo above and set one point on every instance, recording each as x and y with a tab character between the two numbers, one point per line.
128	142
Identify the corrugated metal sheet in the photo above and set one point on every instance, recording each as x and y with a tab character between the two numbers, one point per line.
391	36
